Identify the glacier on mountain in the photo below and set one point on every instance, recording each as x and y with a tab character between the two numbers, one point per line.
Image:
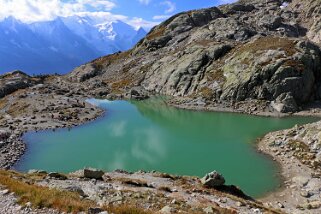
59	45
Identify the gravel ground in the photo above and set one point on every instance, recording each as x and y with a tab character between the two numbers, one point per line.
8	205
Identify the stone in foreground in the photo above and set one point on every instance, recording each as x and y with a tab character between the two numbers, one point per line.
93	173
56	175
167	210
96	210
213	179
4	135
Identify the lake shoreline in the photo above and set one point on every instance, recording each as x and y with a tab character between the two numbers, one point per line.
246	107
301	177
96	112
289	197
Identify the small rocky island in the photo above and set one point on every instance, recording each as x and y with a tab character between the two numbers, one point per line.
260	57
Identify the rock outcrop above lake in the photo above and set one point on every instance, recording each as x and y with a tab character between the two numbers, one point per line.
266	51
14	81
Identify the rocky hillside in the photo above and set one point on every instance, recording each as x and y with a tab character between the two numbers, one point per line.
260	51
14	81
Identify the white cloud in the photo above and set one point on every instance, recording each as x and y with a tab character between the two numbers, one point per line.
118	129
171	7
161	17
39	10
44	10
139	22
101	17
119	161
148	146
226	1
145	2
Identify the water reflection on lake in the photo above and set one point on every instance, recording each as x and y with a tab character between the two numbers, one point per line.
149	135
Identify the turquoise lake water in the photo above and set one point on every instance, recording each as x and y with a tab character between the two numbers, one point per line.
150	135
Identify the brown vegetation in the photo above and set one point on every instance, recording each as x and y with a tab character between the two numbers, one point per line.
41	197
217	75
165	189
18	108
158	32
207	93
121	84
295	64
3	103
165	175
107	60
298	146
269	43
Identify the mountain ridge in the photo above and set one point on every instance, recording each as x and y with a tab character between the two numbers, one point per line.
55	46
263	43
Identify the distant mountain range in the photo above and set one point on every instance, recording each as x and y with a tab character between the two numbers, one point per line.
60	45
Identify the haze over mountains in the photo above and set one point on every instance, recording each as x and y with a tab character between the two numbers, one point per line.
60	45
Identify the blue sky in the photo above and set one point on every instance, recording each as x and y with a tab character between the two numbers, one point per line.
139	13
149	10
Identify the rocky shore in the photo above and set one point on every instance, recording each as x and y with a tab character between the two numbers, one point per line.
49	104
251	107
42	106
298	151
151	191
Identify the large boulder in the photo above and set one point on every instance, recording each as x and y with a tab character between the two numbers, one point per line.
92	173
186	21
270	21
4	135
56	175
285	103
242	7
95	210
213	179
138	93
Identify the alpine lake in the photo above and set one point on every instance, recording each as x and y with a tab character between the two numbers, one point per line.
150	135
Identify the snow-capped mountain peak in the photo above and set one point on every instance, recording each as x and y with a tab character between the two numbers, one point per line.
107	36
59	45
